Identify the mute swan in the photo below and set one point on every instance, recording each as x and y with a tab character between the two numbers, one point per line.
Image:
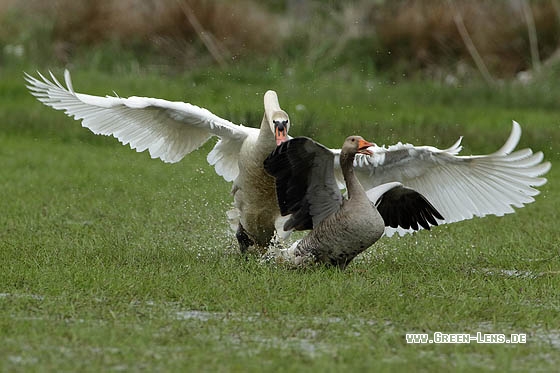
341	227
171	130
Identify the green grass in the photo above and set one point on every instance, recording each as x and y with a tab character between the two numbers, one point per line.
113	261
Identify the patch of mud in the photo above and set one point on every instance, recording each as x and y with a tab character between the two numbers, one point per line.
21	296
514	273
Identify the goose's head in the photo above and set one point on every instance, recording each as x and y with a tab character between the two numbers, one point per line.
356	144
277	118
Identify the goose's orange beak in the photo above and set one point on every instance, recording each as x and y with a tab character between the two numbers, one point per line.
363	146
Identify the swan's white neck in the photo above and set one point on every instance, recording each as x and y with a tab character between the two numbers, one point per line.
271	105
266	140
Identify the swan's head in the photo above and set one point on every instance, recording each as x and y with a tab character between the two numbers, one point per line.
357	144
277	118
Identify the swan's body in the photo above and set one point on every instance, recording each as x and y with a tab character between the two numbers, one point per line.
171	130
341	227
254	191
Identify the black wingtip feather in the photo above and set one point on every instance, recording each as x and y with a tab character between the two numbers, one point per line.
406	208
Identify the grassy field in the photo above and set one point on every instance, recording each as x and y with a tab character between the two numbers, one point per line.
114	261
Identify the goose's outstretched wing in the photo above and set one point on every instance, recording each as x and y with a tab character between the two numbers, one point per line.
403	209
459	187
168	130
305	183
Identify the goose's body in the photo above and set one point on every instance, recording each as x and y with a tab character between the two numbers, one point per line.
345	233
171	130
341	227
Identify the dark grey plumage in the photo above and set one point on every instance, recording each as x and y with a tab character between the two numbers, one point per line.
302	168
341	228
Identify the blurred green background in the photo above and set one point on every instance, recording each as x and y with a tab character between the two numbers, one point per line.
403	70
439	39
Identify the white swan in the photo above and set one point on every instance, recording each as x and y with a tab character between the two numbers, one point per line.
459	187
171	130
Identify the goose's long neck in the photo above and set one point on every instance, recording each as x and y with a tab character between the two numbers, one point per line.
353	186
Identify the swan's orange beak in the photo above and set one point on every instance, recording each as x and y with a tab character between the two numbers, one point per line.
280	132
363	146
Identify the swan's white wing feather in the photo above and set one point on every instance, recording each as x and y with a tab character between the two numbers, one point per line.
168	130
459	187
376	192
225	155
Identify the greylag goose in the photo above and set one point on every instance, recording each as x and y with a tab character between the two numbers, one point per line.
341	227
459	187
171	130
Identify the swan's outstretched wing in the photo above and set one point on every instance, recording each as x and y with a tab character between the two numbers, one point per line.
459	187
305	183
169	130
